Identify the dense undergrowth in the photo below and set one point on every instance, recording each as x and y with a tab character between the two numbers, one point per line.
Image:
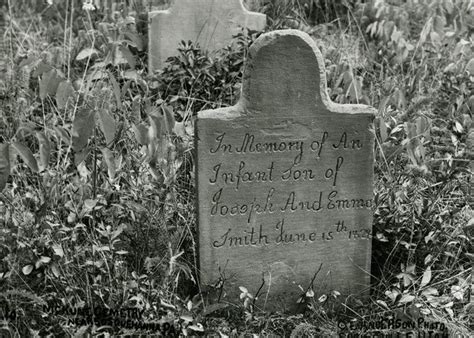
97	171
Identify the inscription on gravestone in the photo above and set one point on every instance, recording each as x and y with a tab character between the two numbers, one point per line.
285	180
211	23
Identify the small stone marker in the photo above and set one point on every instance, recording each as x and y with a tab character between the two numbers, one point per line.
285	181
211	23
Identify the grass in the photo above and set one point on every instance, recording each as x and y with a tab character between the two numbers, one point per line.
102	215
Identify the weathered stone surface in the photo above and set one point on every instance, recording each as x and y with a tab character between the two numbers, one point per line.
285	181
211	23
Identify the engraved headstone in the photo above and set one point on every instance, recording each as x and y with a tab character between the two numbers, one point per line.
285	181
211	23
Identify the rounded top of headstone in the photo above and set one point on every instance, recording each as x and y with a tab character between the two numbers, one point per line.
285	71
284	77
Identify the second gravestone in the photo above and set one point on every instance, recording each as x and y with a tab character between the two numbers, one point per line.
211	23
285	181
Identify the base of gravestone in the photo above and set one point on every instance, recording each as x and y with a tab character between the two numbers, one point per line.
218	297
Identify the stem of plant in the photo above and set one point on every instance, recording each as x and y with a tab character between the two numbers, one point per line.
258	291
312	279
94	171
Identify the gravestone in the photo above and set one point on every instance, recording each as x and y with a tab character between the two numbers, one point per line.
285	181
211	23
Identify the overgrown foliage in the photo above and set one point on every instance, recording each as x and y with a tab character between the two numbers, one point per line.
97	173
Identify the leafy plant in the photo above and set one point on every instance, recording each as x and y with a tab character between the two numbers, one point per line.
97	173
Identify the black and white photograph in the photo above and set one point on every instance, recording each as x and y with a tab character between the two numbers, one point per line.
228	168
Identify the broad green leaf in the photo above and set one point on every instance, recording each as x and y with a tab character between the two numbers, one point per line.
45	259
372	28
58	250
82	128
163	303
86	53
383	129
41	69
423	126
141	133
27	269
84	173
135	39
430	236
158	151
55	270
4	165
107	125
187	318
26	155
179	129
425	31
28	61
49	84
116	89
383	106
448	5
399	99
392	294
428	259
109	161
156	126
64	94
410	268
435	39
389	28
198	327
406	299
127	54
115	56
355	89
425	311
458	127
100	248
97	74
347	77
412	141
426	277
81	155
62	134
24	130
213	308
396	35
457	292
89	205
118	231
430	292
44	149
439	23
131	74
169	118
470	67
